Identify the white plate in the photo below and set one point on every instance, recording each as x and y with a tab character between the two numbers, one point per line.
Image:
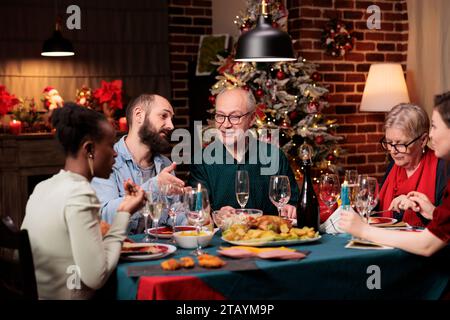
259	243
381	221
168	233
170	249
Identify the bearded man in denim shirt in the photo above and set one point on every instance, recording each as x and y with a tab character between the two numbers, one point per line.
139	158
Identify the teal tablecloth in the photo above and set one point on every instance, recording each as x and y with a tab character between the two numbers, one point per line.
329	272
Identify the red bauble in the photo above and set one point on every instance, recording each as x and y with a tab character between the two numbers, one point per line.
281	75
319	139
259	93
316	76
293	115
330	157
212	99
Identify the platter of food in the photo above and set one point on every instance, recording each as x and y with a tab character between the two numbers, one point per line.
268	231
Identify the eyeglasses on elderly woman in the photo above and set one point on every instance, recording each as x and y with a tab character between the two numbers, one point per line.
399	147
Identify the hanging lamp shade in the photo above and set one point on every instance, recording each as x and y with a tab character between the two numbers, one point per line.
264	43
57	45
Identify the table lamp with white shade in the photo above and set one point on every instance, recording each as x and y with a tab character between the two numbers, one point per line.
385	88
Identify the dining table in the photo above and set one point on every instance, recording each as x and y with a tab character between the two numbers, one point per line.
329	271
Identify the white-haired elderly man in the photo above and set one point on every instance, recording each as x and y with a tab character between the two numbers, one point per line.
236	149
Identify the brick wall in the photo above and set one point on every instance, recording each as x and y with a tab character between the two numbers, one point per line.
188	20
346	76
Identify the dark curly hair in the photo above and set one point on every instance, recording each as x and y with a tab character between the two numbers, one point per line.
442	105
75	124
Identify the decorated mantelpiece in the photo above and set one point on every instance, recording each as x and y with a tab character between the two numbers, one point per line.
24	116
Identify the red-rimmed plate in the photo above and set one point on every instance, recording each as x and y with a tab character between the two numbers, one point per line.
381	221
167	232
161	250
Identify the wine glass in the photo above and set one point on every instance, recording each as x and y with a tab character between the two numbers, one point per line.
155	208
172	196
329	189
373	193
279	191
242	187
145	211
362	196
197	202
351	176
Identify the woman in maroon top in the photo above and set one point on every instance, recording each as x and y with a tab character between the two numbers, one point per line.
437	234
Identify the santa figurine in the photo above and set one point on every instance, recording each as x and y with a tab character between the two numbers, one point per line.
52	99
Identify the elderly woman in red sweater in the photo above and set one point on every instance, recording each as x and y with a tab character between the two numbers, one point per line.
414	166
437	233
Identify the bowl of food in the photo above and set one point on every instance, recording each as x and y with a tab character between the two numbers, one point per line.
189	239
224	219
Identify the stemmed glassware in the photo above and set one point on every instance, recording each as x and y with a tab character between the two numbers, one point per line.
351	176
173	200
363	196
329	189
242	187
145	211
155	208
197	202
373	193
279	191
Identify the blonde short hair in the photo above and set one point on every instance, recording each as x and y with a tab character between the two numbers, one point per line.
409	118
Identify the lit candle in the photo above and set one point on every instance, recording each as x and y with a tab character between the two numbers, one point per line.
123	126
198	202
15	126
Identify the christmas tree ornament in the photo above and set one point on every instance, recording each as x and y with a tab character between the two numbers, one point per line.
319	140
316	77
280	75
259	93
212	99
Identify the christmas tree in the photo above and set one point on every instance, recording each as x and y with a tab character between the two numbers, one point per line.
287	94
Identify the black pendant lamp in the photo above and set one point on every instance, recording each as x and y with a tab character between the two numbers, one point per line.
264	43
57	45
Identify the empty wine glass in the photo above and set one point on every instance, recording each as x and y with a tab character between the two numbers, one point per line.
363	196
329	189
373	193
279	191
197	203
242	187
172	196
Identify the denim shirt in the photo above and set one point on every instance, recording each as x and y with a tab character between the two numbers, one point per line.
111	192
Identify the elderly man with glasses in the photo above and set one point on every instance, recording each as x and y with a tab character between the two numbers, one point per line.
236	149
414	167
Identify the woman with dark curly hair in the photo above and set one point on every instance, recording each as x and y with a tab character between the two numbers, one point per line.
72	259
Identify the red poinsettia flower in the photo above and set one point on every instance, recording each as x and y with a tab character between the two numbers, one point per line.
110	93
7	101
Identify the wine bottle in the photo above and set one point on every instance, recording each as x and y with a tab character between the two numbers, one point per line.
308	205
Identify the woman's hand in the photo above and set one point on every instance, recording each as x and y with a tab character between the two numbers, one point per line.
402	202
352	223
423	205
134	199
228	209
289	211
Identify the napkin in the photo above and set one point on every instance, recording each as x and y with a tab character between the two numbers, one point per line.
281	253
331	225
366	245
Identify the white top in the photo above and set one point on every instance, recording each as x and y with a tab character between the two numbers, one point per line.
62	218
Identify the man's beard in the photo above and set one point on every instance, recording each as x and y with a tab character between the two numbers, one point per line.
152	138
